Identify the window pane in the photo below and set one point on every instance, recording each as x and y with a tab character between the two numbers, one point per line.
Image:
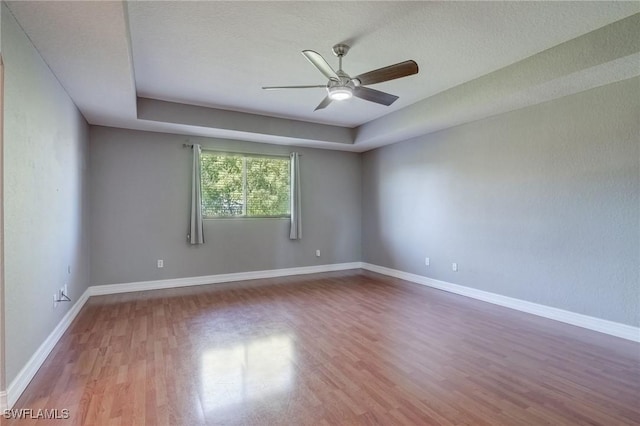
226	186
267	186
221	185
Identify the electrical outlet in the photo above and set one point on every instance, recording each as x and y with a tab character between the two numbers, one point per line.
64	289
160	263
427	261
317	253
55	300
454	267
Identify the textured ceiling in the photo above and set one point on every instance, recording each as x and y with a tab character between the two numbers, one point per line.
217	55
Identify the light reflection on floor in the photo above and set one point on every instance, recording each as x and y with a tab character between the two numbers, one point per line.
246	371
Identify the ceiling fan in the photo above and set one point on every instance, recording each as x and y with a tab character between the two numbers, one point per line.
341	86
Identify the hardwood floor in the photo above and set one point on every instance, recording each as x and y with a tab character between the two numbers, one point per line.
348	347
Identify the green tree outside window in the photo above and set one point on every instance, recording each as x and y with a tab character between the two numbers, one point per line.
236	185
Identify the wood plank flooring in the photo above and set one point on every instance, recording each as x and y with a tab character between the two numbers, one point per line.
348	347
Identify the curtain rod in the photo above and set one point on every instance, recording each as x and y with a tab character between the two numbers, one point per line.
230	151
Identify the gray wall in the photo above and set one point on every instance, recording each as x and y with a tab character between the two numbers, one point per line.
540	204
3	385
140	186
45	206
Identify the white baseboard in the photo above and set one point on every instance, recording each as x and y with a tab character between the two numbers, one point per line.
19	384
604	326
99	290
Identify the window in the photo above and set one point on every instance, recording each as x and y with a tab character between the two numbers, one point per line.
239	185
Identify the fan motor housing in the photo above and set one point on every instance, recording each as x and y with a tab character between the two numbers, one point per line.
345	81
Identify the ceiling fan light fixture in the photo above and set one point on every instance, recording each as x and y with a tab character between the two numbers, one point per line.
341	86
340	93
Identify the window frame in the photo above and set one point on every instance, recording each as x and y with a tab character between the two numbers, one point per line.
244	156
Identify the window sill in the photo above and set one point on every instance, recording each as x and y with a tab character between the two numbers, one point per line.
248	218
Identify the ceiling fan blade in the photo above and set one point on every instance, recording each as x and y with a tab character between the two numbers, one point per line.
318	61
391	72
325	102
373	95
292	87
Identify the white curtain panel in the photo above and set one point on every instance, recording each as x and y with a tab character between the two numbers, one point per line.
196	235
296	220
